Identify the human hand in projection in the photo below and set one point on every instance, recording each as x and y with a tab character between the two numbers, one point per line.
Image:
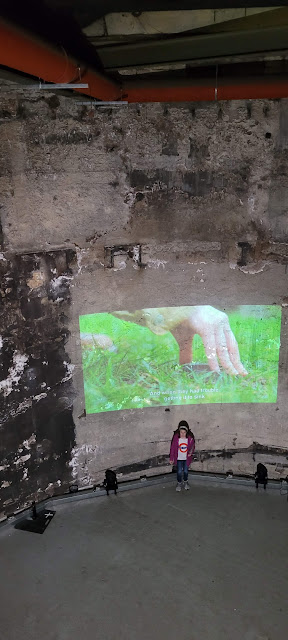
210	324
219	342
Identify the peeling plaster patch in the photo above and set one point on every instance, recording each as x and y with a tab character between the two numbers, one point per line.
15	372
3	467
5	484
25	474
2	257
37	280
121	265
70	368
155	264
79	453
23	459
1	342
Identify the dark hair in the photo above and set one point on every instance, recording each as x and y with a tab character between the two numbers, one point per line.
184	423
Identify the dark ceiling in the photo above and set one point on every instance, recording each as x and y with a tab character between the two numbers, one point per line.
83	12
86	11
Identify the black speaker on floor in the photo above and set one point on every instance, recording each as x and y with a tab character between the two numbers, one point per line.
37	522
110	483
261	475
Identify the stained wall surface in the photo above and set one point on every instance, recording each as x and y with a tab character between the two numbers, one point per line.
186	184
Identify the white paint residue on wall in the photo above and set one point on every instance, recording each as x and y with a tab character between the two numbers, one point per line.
25	474
40	396
1	342
155	264
80	253
58	282
31	440
23	459
252	269
70	368
251	204
5	484
49	486
2	257
23	406
15	373
136	256
77	455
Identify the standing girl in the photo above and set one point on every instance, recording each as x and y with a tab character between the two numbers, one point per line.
181	452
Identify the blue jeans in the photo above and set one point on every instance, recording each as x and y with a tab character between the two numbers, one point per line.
182	469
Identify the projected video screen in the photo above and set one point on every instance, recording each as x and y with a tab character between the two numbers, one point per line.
180	355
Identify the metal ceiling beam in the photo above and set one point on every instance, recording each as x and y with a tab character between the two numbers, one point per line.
193	47
25	53
267	57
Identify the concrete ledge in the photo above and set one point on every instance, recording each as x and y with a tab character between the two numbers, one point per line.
196	479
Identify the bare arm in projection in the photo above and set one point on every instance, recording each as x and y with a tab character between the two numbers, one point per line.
210	324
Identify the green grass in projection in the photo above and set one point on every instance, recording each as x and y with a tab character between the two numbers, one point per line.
134	361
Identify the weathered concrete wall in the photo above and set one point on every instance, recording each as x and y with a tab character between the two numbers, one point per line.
37	427
187	183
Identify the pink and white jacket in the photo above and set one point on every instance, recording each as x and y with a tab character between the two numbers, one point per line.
174	449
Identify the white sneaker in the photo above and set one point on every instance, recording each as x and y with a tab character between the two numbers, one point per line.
178	488
186	486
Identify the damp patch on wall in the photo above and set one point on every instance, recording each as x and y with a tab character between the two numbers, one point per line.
180	355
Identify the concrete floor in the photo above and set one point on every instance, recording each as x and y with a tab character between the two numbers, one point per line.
151	564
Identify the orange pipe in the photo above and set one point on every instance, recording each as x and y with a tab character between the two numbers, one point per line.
25	53
271	89
253	88
167	94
